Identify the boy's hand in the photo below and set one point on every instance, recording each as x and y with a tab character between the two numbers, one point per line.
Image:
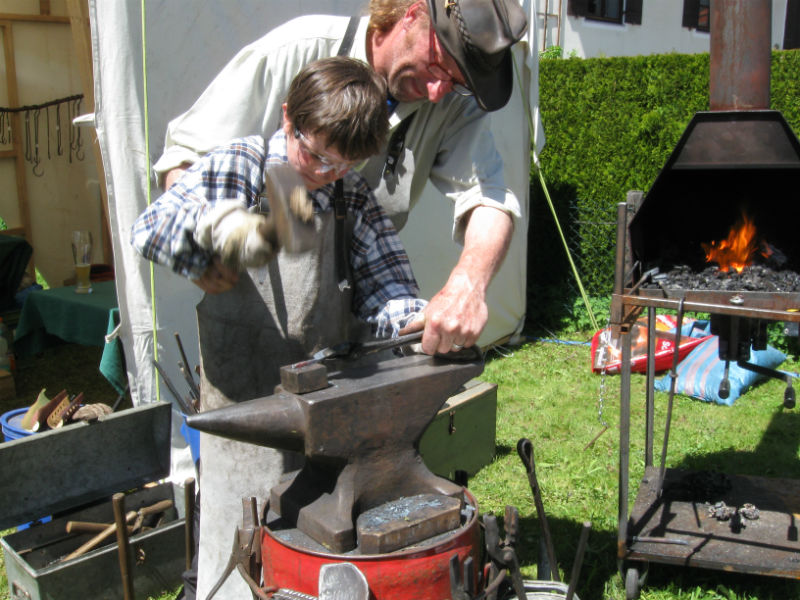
217	278
240	238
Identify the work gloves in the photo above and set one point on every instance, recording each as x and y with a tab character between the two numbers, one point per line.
245	239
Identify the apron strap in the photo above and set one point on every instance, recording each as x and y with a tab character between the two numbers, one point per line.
342	247
349	34
397	142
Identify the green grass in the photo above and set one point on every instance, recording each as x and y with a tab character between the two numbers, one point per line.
547	393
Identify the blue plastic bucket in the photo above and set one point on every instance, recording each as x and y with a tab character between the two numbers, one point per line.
12	424
192	437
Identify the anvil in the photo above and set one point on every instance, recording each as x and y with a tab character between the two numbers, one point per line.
360	436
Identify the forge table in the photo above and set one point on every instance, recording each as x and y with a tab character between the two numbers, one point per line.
676	527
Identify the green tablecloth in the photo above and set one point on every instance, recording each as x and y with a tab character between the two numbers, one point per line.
59	314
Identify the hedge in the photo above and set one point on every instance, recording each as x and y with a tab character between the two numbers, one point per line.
610	125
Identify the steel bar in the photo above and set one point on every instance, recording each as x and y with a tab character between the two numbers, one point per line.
624	443
649	434
673	375
187	373
123	546
658	540
754	305
525	451
576	566
184	406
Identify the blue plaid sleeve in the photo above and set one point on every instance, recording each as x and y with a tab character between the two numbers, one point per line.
164	232
380	266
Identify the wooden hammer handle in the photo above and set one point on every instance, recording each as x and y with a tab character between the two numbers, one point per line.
110	529
88	527
100	537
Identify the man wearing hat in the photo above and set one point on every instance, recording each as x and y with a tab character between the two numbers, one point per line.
446	62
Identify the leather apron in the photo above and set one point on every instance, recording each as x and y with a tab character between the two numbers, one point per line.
274	316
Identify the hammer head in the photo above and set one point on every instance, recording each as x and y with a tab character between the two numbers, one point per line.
291	210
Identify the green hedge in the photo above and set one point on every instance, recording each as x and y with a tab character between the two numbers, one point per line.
610	125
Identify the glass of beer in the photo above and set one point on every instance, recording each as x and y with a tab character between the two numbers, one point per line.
82	255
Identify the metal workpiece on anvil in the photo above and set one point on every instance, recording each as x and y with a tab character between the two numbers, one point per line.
359	436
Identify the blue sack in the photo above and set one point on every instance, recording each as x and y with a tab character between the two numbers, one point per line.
700	373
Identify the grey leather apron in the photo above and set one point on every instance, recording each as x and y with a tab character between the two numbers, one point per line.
273	317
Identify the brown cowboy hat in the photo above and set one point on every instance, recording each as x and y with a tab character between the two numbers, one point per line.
478	34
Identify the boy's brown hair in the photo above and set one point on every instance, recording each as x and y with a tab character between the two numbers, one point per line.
343	101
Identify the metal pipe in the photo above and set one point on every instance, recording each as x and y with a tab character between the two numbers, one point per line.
123	546
741	34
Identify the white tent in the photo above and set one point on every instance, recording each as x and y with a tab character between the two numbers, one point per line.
152	59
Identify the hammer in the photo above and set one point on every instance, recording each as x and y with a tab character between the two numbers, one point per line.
110	529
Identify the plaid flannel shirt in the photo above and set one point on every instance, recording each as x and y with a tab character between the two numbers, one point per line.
384	286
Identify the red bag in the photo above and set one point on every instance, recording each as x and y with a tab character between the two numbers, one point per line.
607	355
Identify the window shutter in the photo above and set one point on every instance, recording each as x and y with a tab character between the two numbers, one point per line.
691	8
633	12
577	8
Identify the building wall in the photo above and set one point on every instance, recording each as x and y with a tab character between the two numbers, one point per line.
661	31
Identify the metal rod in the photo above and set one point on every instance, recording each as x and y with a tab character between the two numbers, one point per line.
187	373
525	451
658	540
123	547
650	393
576	566
185	407
624	442
673	374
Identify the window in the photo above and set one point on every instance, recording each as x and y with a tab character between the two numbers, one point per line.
611	11
697	14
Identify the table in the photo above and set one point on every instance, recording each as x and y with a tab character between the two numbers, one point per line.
59	314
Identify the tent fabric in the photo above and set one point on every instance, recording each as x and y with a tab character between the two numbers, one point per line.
182	55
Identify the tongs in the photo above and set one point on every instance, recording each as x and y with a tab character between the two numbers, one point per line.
353	350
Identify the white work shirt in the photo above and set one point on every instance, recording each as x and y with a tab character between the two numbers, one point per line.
449	142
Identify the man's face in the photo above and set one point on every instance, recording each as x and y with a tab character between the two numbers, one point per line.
417	66
312	159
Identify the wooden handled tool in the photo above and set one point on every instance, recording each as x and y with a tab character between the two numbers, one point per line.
110	529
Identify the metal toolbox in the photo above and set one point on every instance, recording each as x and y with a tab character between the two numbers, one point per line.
462	436
70	474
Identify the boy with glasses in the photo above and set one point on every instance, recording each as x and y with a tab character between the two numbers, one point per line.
266	308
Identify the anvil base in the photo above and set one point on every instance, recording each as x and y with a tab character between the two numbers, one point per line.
324	501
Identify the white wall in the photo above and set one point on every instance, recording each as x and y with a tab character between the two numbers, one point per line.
66	196
661	31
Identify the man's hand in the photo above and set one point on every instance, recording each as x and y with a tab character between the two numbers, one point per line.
217	278
456	316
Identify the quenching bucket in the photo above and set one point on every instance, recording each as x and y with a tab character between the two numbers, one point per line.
12	424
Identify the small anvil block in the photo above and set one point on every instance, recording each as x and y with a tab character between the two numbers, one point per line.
360	437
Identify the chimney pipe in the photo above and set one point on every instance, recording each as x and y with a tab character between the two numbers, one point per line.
741	37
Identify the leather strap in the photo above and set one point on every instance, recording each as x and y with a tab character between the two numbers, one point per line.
340	213
349	35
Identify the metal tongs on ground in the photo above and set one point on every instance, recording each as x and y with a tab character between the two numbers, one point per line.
353	350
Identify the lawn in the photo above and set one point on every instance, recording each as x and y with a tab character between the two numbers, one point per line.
547	393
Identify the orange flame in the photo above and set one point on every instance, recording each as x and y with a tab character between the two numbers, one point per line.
737	250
